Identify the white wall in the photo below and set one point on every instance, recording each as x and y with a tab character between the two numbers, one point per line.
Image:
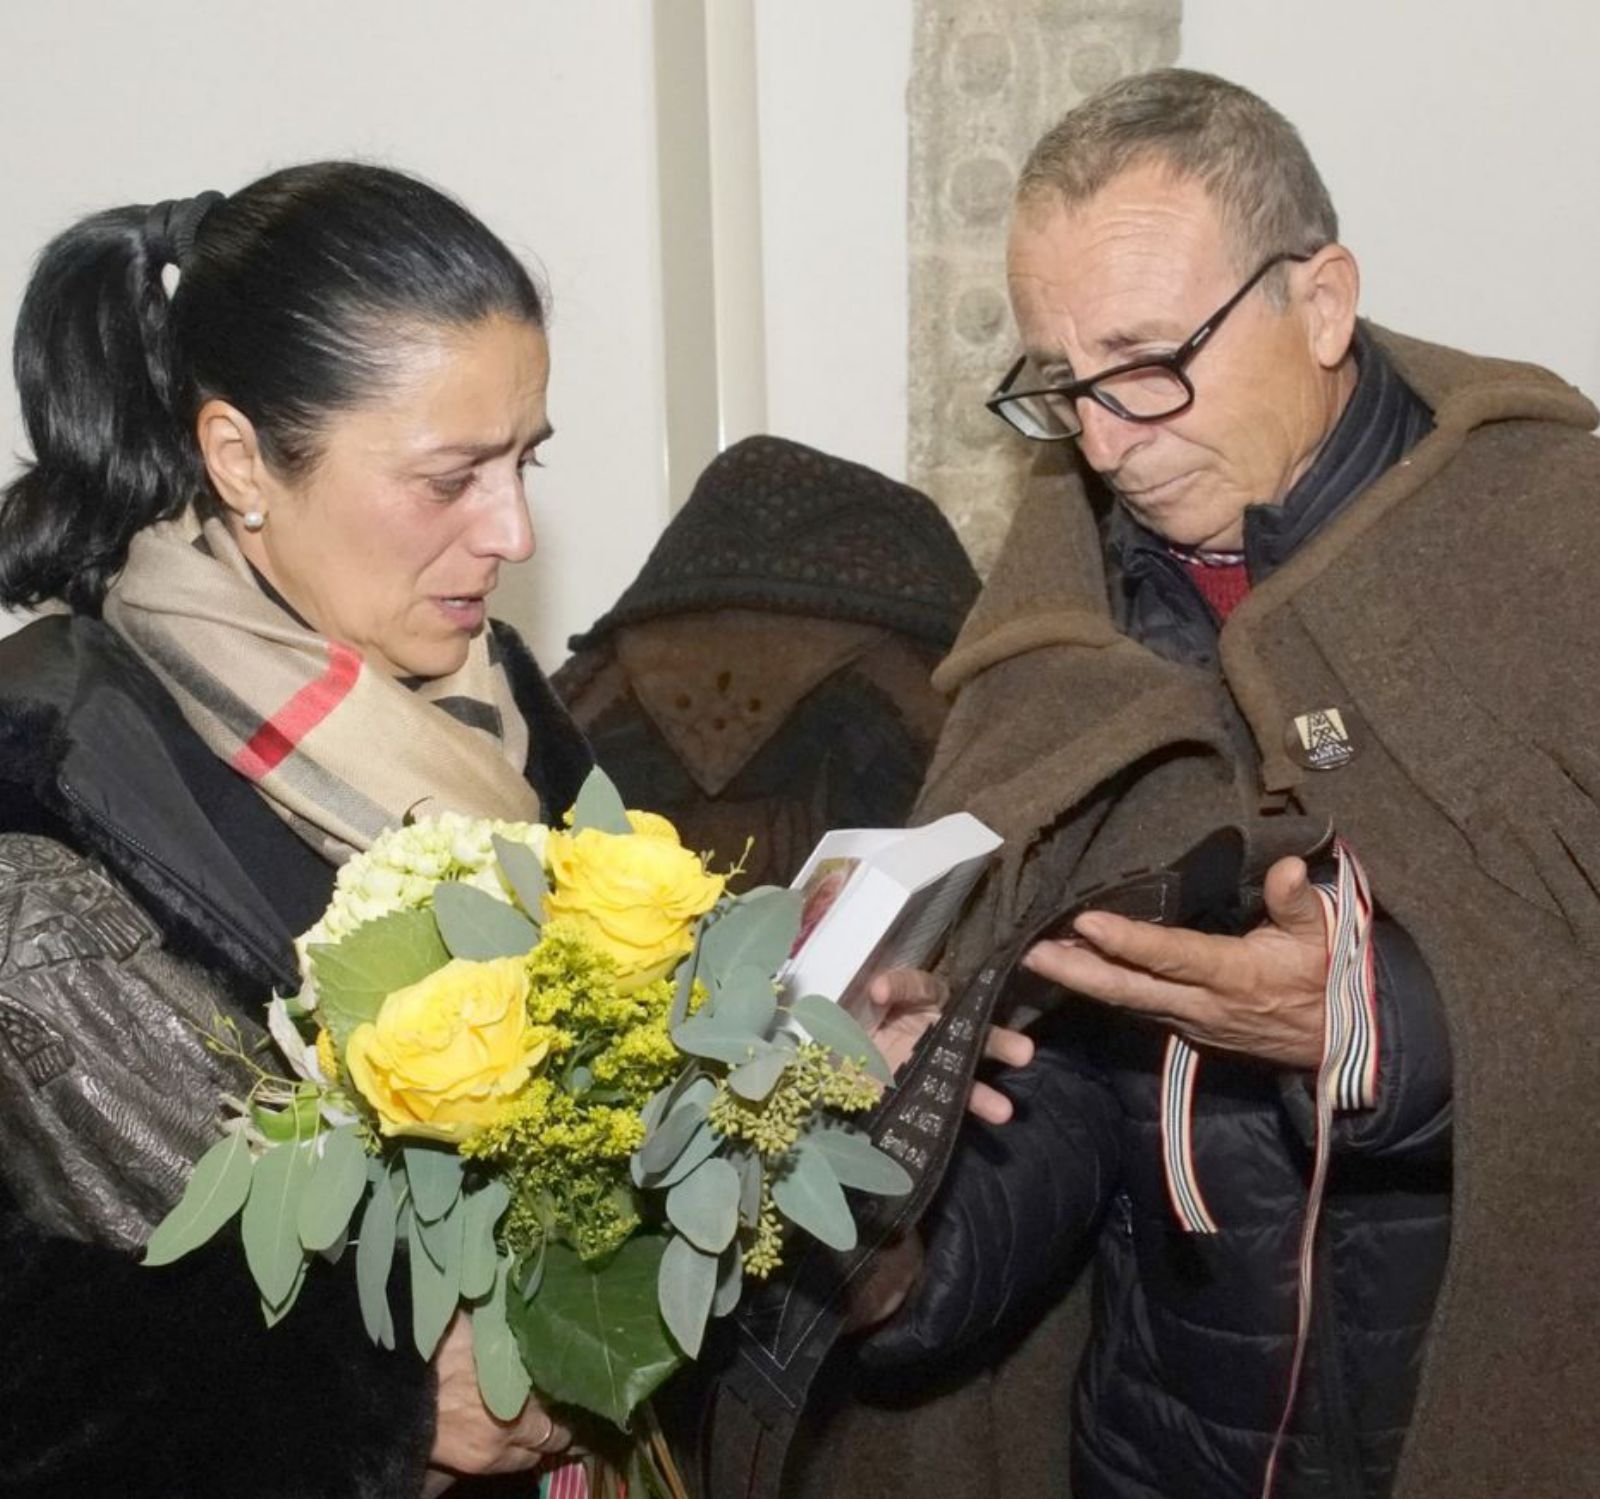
538	113
832	77
1459	143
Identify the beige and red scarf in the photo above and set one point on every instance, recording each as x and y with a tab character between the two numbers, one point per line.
339	750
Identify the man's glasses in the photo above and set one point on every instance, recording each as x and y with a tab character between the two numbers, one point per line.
1143	390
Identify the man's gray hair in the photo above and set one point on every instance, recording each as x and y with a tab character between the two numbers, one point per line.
1247	156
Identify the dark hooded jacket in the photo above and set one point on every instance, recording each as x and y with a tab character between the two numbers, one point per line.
144	890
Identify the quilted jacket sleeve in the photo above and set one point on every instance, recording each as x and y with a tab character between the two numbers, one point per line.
1018	1211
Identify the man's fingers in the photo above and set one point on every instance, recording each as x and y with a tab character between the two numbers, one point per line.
1164	951
1087	971
989	1105
1291	901
908	988
1007	1046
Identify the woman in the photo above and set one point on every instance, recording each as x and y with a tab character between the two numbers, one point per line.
279	449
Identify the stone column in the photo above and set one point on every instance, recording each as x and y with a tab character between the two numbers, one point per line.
988	77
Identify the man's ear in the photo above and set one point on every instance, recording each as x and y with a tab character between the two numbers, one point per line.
1330	285
233	459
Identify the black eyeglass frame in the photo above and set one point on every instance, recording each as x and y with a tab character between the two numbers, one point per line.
1175	363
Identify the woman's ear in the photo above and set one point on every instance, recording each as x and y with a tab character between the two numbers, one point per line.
233	459
1331	286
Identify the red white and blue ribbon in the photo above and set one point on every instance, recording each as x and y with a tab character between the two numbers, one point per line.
1346	1080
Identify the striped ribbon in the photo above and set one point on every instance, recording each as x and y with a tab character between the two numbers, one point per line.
569	1481
1347	1079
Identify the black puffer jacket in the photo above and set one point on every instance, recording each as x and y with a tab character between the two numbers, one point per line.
1187	1370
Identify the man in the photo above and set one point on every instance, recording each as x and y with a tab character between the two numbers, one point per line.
1299	565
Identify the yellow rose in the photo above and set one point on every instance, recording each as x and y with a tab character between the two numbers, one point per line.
635	897
446	1055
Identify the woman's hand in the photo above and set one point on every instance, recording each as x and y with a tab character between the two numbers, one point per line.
468	1437
905	1004
894	1272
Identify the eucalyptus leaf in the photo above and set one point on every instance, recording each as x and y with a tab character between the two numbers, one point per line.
829	1026
273	1315
756	932
435	1288
530	1274
663	1146
809	1195
334	1252
356	974
704	1206
479	928
338	1180
593	1336
600	806
755	1079
270	1222
702	1036
374	1258
746	1002
434	1176
688	1284
730	1280
856	1162
482	1210
502	1378
703	1144
683	989
750	1179
524	873
217	1189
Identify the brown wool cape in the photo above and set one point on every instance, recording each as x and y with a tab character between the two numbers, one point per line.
1449	613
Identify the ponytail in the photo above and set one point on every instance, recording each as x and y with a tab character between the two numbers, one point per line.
101	386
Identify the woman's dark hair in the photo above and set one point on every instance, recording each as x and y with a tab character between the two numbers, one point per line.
290	304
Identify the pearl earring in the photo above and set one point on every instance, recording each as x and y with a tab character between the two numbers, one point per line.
254	520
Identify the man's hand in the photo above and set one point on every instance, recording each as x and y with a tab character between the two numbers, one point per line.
1262	994
469	1438
906	1002
894	1271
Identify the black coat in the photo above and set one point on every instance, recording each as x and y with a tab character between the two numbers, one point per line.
1187	1370
121	1380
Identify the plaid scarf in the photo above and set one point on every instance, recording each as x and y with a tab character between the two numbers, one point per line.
339	751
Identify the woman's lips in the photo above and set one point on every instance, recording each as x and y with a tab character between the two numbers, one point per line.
464	613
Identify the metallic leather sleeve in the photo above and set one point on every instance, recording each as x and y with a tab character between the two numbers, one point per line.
108	1090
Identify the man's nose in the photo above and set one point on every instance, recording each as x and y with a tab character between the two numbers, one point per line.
1107	439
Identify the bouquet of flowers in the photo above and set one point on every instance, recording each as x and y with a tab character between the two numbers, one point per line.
554	1065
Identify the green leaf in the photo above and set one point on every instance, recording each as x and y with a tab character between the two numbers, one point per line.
745	1002
730	1280
808	1194
271	1220
856	1162
750	1178
829	1026
525	874
704	1206
593	1336
703	1144
702	1036
757	932
673	1133
684	990
478	927
687	1285
434	1176
374	1258
354	976
755	1079
435	1289
273	1315
502	1378
299	1121
334	1191
217	1189
599	805
478	1250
